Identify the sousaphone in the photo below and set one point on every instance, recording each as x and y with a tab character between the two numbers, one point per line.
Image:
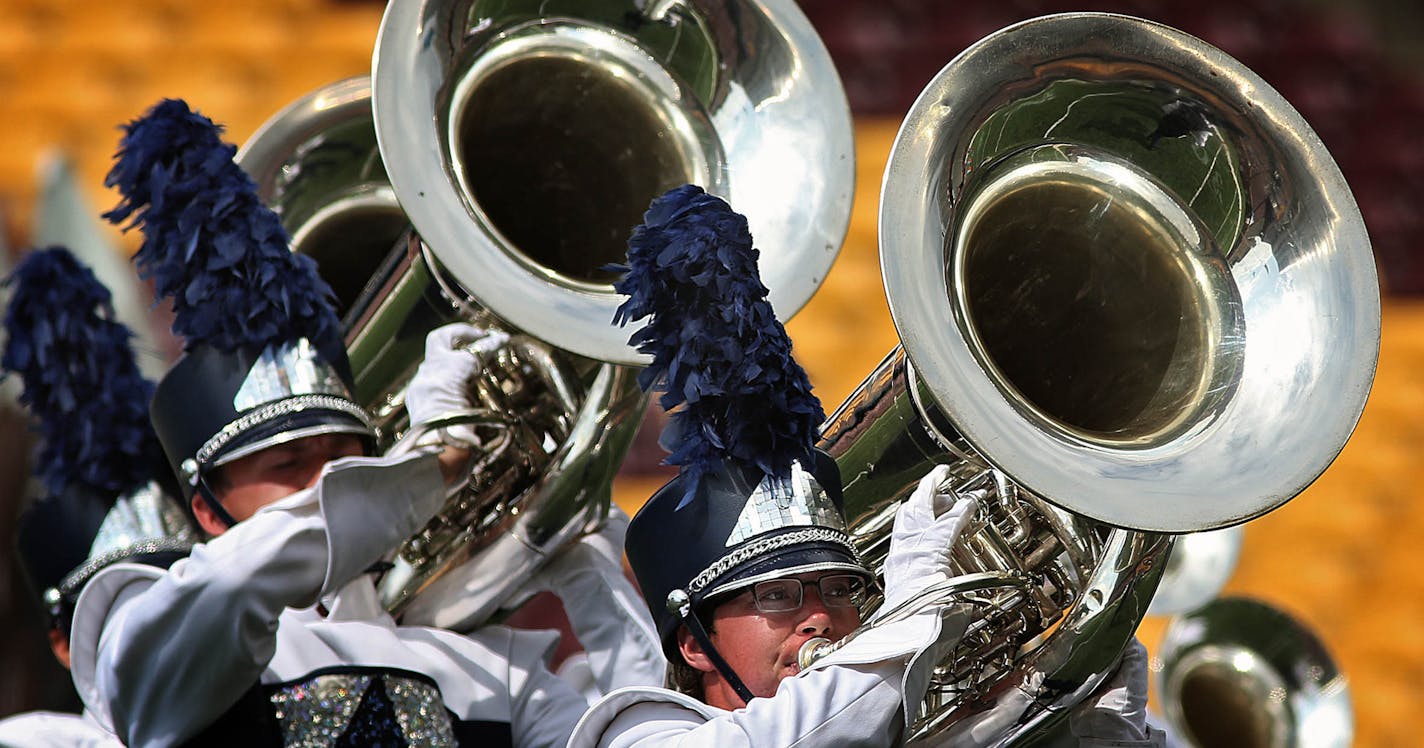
520	143
1135	299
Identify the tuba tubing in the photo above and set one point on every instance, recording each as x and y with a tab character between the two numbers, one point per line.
1054	593
1197	570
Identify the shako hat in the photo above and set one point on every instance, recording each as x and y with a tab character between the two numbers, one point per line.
753	498
263	356
107	490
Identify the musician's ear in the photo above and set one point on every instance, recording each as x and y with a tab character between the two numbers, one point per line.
206	517
692	652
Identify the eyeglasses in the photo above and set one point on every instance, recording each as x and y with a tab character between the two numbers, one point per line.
786	595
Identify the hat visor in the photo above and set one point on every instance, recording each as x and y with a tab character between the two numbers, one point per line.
799	559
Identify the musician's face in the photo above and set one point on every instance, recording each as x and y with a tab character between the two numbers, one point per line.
249	483
761	647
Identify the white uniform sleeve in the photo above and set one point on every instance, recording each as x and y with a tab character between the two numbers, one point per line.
855	696
1115	714
543	707
609	618
1061	735
174	651
53	730
842	706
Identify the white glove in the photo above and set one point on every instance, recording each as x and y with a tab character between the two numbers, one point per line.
1117	711
926	528
454	354
988	727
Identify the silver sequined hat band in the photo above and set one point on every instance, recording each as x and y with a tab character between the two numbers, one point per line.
757	548
271	412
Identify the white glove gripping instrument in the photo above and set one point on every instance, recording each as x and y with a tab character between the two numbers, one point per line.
1117	710
926	528
988	727
454	354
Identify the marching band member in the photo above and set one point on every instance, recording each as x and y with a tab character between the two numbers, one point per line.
271	633
744	556
108	497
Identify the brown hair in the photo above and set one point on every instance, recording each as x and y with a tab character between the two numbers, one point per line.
684	678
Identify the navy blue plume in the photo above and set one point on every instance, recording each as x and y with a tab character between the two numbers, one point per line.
81	381
209	243
724	361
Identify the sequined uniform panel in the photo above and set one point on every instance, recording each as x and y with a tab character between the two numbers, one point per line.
377	708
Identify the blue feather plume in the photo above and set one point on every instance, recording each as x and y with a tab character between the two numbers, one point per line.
81	381
731	386
209	243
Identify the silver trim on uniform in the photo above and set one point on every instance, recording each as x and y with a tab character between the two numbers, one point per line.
285	370
317	711
76	579
273	411
144	521
752	550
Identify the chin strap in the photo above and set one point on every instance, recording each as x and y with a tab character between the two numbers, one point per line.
681	605
214	504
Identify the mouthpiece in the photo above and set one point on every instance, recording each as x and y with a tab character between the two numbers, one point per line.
812	650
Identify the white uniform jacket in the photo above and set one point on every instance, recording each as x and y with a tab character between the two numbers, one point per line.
859	695
54	730
162	657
